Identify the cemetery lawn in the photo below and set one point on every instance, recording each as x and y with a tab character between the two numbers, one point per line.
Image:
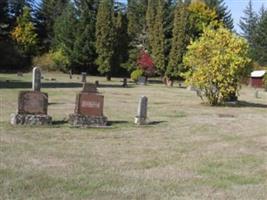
190	150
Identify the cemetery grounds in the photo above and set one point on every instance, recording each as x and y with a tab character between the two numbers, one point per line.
189	151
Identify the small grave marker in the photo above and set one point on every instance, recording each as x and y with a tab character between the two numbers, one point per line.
141	118
125	84
84	74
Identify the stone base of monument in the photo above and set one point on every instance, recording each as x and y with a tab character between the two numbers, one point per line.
140	121
83	121
25	119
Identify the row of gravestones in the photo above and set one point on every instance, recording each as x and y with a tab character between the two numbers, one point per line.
33	107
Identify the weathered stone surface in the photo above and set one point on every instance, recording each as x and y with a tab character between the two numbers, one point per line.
84	74
24	119
141	117
83	121
142	80
30	102
124	83
36	79
89	88
89	104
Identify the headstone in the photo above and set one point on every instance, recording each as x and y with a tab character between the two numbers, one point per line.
257	95
19	74
84	74
89	88
141	80
36	79
88	108
141	118
31	102
70	74
32	105
125	84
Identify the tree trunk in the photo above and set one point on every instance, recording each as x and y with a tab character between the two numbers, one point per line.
108	77
169	82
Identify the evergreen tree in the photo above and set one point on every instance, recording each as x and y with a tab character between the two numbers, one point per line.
248	23
168	26
136	15
105	37
150	23
258	41
84	48
180	41
4	20
65	33
223	13
46	14
159	40
121	42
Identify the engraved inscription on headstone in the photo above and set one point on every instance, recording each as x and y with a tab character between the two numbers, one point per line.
89	104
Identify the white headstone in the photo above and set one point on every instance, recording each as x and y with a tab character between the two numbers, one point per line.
36	79
141	118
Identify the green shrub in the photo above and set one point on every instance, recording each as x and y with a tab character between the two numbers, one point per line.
60	59
45	62
136	74
52	61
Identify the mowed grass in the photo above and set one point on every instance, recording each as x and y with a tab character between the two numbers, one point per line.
190	150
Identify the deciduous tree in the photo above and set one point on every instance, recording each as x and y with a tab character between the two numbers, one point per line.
217	62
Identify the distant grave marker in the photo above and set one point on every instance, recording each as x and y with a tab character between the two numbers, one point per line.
19	74
141	80
124	83
84	74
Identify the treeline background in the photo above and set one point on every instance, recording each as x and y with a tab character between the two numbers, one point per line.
106	37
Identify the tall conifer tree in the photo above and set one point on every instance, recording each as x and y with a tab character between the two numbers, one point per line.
47	13
180	41
224	14
159	39
84	47
105	37
248	23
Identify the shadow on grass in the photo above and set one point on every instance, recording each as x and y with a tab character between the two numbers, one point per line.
155	123
28	85
244	104
17	84
110	123
59	122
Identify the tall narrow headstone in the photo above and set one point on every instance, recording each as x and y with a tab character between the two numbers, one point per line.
36	79
70	74
84	77
141	118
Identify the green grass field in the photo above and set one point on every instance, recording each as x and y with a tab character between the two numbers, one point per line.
192	151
